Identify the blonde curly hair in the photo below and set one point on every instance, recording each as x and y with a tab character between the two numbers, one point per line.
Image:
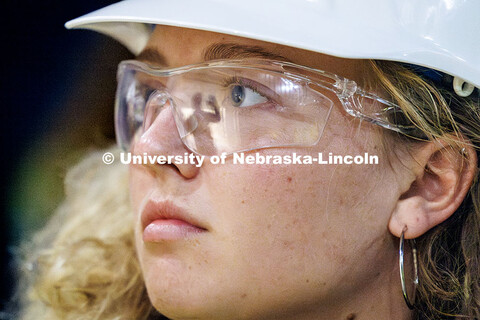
83	264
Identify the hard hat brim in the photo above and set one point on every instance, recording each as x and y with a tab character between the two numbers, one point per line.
363	29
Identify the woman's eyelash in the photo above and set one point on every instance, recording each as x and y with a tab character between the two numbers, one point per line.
250	84
240	82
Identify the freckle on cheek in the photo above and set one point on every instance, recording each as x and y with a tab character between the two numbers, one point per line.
289	179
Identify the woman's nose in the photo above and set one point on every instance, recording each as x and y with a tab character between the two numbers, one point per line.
160	137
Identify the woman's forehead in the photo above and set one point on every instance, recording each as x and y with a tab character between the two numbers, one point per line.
174	47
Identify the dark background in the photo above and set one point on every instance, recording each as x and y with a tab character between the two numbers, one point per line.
57	90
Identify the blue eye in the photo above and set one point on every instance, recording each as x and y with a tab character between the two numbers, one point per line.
243	96
238	95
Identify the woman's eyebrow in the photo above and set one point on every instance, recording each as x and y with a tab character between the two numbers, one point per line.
215	51
152	55
238	51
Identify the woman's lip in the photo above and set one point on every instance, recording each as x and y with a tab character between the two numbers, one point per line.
163	220
169	229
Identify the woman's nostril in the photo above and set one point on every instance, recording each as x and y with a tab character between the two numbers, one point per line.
174	167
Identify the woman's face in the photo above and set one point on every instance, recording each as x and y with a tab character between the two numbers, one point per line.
262	241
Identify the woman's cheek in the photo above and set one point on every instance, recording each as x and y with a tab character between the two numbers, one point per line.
249	182
264	199
140	183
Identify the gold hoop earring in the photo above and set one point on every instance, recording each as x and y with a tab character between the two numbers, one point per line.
410	303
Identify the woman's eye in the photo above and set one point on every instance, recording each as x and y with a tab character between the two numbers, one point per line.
245	97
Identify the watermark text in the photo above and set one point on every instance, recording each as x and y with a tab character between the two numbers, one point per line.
244	159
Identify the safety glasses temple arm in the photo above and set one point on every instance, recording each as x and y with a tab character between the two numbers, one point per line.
391	116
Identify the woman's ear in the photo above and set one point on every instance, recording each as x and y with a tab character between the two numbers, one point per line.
443	176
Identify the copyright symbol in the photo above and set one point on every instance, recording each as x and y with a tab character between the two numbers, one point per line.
108	158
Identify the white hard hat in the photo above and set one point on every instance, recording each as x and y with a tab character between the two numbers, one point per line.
439	34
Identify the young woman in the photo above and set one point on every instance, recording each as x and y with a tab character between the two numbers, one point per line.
288	81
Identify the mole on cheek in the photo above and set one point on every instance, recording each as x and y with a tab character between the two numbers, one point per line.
289	179
351	316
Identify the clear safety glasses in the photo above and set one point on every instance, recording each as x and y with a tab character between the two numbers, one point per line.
228	106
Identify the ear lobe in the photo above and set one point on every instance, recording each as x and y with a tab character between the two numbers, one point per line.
443	176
